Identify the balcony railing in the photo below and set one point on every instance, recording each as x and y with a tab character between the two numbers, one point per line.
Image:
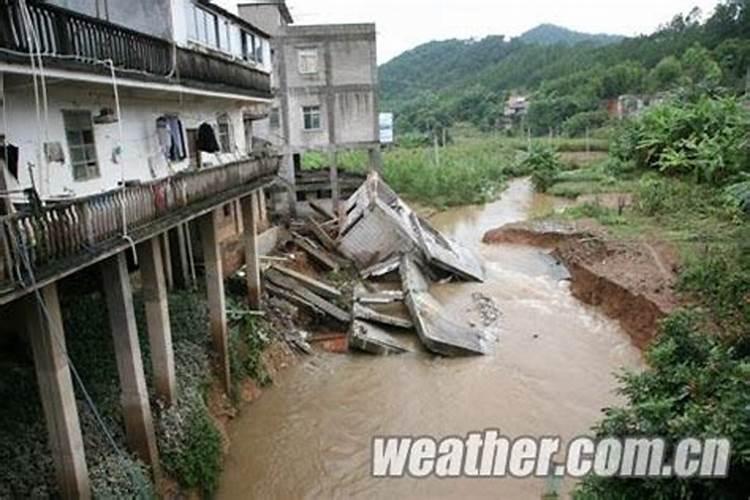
67	38
62	32
67	234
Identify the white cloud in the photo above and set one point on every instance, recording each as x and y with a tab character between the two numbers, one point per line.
404	24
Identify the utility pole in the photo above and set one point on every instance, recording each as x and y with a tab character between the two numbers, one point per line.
437	150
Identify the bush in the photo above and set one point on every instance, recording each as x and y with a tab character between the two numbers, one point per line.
543	164
705	139
190	444
580	124
695	386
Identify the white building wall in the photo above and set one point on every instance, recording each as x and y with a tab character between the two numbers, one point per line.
141	156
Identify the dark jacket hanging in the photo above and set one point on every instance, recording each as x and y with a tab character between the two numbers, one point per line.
9	154
207	139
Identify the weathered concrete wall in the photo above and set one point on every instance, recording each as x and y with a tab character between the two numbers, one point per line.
265	16
148	16
344	84
140	148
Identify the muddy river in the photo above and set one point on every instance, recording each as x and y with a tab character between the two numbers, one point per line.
309	436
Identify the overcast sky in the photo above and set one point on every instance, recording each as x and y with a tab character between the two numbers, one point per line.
404	24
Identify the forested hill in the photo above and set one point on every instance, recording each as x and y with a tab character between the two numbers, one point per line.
439	83
439	65
550	34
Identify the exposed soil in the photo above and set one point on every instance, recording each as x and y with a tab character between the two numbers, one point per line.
632	281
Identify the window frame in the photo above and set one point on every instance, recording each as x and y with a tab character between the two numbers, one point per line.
90	165
304	56
312	113
224	133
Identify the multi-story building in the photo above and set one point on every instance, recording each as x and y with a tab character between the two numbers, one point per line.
326	86
122	125
77	128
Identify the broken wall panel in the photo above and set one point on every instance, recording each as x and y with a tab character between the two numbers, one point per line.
439	333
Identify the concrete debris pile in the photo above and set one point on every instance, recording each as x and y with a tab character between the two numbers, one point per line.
396	255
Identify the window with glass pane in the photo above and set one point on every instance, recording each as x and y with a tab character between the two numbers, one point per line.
225	134
311	116
248	46
79	131
259	51
308	61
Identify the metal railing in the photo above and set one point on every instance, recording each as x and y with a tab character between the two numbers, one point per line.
80	226
62	32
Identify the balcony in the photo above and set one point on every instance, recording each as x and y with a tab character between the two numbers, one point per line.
60	239
73	41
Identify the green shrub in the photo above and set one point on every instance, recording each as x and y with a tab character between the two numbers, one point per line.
543	164
705	139
695	386
580	124
190	444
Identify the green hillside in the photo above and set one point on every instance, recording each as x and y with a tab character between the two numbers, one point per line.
440	83
550	34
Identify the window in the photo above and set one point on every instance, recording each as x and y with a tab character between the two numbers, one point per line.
275	118
308	61
248	46
259	51
206	28
225	133
311	116
79	131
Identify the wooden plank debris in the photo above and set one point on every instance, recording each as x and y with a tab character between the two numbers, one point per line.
316	252
322	209
379	298
439	333
322	289
375	340
320	233
381	268
280	280
373	316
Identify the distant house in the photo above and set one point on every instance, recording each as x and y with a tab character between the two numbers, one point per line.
326	85
516	108
629	105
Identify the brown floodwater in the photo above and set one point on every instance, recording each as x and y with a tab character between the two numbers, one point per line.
309	436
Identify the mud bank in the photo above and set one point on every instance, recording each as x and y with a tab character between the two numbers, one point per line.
631	281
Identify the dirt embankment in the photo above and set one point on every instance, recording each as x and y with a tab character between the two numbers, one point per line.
632	281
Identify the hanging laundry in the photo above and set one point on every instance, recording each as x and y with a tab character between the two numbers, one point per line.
163	136
171	138
9	154
207	139
177	152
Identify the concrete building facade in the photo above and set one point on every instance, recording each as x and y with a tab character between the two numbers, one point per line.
326	86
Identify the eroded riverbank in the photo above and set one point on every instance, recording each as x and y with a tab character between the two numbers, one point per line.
309	436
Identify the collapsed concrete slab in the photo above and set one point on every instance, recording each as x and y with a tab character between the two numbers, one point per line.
372	339
378	227
439	333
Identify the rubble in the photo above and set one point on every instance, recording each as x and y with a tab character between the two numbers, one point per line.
378	234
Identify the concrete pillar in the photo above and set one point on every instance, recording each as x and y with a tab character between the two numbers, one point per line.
215	290
260	197
45	331
139	425
167	260
335	192
157	319
178	249
250	239
376	161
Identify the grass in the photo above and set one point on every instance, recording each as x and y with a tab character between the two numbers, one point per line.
471	170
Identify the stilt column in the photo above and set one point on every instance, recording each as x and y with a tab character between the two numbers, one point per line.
157	319
215	290
139	425
250	237
45	331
